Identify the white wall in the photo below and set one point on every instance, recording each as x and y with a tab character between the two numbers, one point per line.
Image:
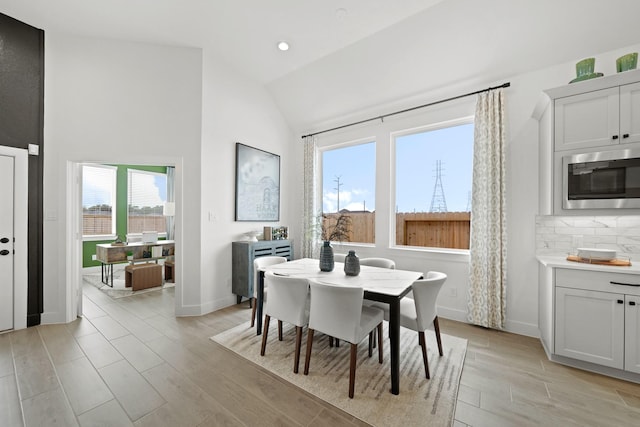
121	102
235	109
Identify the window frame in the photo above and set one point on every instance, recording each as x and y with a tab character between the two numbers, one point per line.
380	131
114	198
393	146
320	176
131	171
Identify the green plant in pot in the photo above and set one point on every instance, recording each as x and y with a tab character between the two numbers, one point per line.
332	231
129	255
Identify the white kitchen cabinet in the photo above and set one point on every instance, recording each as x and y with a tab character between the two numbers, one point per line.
587	120
597	318
590	326
598	118
632	329
630	113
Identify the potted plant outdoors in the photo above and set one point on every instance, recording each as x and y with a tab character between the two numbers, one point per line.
332	232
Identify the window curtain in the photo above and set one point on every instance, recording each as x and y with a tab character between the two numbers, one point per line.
171	198
488	241
310	240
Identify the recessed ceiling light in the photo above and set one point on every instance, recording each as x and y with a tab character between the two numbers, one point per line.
283	45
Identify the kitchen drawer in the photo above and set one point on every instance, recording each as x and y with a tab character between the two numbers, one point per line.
601	281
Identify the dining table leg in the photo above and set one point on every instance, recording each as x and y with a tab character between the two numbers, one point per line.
259	299
394	344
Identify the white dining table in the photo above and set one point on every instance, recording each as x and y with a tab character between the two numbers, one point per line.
379	284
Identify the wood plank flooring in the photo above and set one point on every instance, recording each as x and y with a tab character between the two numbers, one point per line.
131	362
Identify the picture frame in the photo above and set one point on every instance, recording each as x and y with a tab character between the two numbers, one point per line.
257	184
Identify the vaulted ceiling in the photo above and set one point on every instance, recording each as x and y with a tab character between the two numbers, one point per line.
346	54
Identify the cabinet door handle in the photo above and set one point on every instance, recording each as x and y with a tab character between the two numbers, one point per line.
4	240
626	135
620	301
4	252
632	303
625	284
614	137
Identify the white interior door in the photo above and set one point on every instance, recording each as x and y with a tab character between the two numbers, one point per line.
6	242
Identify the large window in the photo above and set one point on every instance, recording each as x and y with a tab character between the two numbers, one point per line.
348	190
147	194
433	186
98	200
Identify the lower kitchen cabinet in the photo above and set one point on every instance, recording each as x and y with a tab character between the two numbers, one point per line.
597	318
590	326
632	330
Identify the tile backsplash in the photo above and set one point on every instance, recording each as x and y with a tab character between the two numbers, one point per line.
558	235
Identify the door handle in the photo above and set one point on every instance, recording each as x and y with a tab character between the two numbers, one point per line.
626	135
614	137
4	252
624	284
632	303
4	240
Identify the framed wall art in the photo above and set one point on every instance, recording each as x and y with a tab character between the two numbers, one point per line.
257	184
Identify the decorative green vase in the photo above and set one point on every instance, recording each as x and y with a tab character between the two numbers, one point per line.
585	67
627	62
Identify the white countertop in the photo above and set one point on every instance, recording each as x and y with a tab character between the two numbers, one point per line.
561	261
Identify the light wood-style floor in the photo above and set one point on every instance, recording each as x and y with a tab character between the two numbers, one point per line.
131	362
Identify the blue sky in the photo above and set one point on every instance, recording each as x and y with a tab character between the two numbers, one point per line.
416	157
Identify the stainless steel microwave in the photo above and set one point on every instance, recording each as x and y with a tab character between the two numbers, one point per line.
601	180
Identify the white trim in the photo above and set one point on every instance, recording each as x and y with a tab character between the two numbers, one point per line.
21	213
74	240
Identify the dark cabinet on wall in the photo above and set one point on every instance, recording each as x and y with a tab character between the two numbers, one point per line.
21	125
243	254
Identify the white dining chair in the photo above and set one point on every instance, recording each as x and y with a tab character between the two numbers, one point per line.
419	313
378	262
337	311
381	263
288	302
259	263
339	257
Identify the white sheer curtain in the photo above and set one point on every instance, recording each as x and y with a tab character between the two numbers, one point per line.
488	243
309	197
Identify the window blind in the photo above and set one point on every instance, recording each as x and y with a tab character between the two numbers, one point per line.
147	193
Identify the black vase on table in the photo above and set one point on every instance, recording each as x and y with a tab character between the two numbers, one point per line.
326	257
351	264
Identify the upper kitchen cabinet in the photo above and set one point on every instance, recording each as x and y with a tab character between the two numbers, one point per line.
587	120
597	113
630	113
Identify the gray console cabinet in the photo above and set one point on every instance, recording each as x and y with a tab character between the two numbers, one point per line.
243	253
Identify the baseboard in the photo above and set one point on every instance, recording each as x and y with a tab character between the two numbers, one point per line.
520	328
33	319
51	318
206	308
453	314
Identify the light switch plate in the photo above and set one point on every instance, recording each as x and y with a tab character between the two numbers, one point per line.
34	149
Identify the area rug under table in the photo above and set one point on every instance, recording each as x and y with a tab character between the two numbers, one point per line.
420	402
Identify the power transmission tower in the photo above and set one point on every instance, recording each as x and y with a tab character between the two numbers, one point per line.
438	202
337	188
